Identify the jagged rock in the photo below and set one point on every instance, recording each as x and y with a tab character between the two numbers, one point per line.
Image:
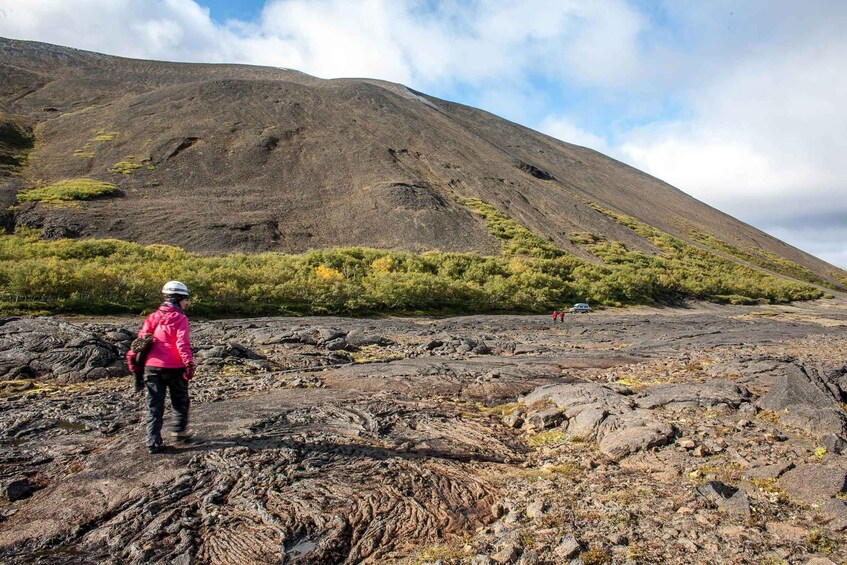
586	423
807	401
769	471
335	344
836	511
543	419
814	483
507	554
480	559
567	548
18	489
535	509
624	434
573	398
361	338
515	419
716	491
529	557
675	396
833	444
43	347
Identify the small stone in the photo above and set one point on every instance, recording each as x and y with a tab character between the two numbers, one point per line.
567	548
687	545
716	491
535	510
514	420
742	424
506	555
529	557
836	511
544	419
820	561
737	504
480	559
701	451
833	444
18	489
686	443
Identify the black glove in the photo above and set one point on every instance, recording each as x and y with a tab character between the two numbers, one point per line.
139	381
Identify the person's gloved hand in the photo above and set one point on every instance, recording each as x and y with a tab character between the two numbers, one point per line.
139	382
189	372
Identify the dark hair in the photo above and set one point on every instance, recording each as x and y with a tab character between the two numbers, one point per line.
176	298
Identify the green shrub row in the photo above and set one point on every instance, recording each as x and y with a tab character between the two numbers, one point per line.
762	259
111	276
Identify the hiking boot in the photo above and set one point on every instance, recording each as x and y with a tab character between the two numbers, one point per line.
153	449
184	435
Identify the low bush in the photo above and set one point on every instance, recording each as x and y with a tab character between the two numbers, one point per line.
111	276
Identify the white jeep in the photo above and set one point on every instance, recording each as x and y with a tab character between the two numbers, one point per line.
580	308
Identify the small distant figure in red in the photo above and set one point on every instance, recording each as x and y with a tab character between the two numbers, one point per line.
562	316
555	315
558	316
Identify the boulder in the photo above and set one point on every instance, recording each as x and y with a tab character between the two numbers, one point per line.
625	434
833	444
586	423
675	396
806	401
814	483
769	471
836	512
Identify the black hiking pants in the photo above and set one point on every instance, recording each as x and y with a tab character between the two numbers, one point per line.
158	381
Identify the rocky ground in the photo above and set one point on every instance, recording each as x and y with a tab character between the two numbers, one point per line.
706	434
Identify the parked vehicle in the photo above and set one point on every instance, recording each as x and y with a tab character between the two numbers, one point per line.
580	308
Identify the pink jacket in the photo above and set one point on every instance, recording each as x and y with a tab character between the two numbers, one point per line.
171	346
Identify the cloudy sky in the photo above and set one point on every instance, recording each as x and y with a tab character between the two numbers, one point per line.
739	103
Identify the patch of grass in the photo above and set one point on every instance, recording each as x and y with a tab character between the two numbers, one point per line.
446	553
567	470
821	541
102	136
771	416
770	486
501	410
516	239
125	168
554	436
69	189
595	556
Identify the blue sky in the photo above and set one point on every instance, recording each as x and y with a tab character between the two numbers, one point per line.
740	104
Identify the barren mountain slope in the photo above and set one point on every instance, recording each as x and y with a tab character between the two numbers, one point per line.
218	158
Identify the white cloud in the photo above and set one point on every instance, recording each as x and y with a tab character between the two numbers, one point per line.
759	84
565	129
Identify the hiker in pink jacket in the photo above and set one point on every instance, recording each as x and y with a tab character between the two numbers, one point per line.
169	365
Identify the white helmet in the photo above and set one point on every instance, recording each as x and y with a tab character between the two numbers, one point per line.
175	288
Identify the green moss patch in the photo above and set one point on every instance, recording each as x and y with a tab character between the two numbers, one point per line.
68	190
125	168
